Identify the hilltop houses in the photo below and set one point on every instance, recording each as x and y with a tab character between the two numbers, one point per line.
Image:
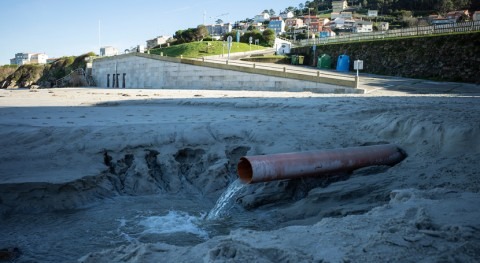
29	58
344	20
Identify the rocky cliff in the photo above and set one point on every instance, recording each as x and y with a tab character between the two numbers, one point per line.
45	75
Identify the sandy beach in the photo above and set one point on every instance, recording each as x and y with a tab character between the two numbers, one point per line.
129	175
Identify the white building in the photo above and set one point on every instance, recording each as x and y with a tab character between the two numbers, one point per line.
160	40
362	27
339	5
39	58
108	51
219	29
29	58
341	23
282	46
383	26
287	15
261	18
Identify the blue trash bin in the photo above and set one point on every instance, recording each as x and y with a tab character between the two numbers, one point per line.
343	63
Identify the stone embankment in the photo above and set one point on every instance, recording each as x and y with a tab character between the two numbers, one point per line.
454	57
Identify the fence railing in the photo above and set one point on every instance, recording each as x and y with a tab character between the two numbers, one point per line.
80	72
396	33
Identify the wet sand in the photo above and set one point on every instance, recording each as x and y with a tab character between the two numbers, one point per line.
77	149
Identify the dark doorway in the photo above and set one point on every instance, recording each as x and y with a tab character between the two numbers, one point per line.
108	80
123	82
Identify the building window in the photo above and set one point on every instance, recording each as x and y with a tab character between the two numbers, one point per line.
108	80
123	82
113	80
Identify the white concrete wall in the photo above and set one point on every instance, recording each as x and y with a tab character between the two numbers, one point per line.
144	72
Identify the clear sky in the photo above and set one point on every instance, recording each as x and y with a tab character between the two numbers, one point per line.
71	27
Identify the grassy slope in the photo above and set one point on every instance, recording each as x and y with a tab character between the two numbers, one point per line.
6	71
199	49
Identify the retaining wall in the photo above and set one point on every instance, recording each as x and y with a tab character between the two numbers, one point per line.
137	70
454	57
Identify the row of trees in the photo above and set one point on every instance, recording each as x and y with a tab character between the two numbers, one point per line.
266	38
191	34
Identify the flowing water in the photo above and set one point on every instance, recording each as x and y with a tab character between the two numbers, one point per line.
225	201
68	235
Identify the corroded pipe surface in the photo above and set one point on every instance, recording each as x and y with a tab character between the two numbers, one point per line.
264	168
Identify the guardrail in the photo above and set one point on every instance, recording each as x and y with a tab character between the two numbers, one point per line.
396	33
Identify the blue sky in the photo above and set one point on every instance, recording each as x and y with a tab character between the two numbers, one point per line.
71	27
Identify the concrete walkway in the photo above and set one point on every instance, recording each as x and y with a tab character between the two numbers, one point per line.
371	83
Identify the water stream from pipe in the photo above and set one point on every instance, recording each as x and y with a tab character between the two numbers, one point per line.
225	201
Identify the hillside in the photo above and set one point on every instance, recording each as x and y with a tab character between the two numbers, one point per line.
42	75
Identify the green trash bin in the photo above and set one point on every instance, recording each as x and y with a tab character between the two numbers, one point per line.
294	60
300	60
324	62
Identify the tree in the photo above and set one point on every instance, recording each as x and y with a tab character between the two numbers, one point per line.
444	6
289	9
201	33
255	34
219	21
269	37
271	12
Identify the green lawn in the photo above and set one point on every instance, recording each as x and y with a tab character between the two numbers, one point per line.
204	48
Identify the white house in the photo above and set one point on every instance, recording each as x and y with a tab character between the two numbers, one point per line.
261	18
282	46
287	15
341	23
383	26
362	27
108	51
39	58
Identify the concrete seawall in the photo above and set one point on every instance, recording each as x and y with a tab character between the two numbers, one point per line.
137	70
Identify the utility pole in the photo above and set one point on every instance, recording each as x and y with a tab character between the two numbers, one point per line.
99	37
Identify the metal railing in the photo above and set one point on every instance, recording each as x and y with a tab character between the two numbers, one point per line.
396	33
62	82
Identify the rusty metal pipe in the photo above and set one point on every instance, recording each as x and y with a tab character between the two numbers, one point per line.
264	168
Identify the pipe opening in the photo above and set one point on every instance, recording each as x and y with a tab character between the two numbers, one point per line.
244	169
